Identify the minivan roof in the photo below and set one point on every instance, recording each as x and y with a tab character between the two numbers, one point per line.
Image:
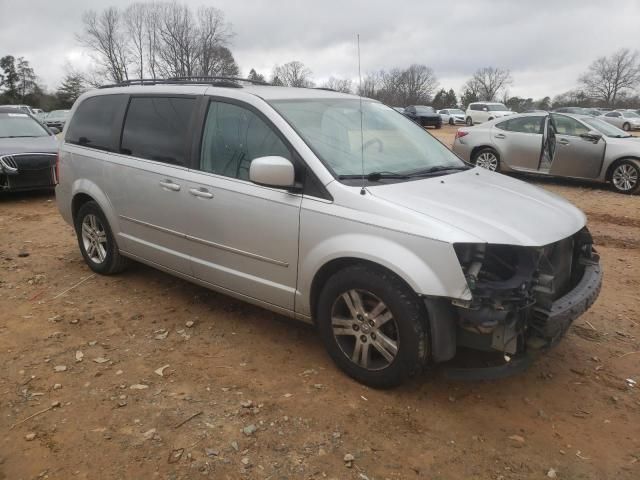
266	92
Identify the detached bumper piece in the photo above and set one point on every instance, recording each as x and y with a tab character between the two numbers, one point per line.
524	301
27	171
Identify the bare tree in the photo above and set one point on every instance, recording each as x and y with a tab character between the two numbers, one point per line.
338	84
488	82
134	20
213	37
104	34
153	12
417	83
178	50
609	77
292	74
370	85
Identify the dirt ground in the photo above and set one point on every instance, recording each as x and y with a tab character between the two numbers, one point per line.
97	345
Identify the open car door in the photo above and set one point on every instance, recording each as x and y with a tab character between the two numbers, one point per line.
575	153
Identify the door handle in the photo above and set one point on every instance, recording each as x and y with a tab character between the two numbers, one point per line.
169	185
200	193
500	135
562	141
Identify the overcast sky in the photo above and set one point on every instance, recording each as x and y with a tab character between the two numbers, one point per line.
545	43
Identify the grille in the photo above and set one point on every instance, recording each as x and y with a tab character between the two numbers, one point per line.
8	161
31	161
31	179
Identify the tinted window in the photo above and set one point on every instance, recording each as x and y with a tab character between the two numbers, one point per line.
157	128
612	114
568	126
94	121
523	124
233	137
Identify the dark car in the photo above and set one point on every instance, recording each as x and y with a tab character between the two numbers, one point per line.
57	119
423	115
28	152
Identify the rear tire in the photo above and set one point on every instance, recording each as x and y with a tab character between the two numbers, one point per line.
625	177
96	241
487	158
373	326
451	122
626	127
438	126
469	122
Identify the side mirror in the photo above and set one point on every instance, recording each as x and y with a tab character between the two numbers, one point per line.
591	136
272	172
54	130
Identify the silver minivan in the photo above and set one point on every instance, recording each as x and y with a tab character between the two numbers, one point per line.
331	209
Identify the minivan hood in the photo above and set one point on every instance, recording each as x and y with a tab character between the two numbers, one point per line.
492	207
48	144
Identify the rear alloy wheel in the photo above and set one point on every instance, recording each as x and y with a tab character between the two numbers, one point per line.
469	122
373	326
97	245
487	158
625	177
626	127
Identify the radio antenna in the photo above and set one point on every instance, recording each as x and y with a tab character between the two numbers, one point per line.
362	190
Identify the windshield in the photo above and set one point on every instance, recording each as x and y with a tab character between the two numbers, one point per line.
605	128
20	125
455	111
392	143
497	108
421	109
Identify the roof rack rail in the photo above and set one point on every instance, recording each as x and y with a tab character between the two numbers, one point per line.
218	81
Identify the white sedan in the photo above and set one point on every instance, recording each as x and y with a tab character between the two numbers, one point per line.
452	116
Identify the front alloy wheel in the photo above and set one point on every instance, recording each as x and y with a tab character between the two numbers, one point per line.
373	325
364	329
625	177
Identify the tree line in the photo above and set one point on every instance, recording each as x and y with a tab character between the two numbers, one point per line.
167	39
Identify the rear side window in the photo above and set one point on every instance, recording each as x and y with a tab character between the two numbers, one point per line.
157	128
94	122
523	124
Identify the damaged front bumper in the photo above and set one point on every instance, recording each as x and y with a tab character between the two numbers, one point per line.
524	300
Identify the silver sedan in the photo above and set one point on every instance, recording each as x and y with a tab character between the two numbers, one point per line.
554	144
624	119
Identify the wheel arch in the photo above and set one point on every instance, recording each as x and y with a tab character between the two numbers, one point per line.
85	191
476	149
329	257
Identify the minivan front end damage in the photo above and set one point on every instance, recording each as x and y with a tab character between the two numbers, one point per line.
523	299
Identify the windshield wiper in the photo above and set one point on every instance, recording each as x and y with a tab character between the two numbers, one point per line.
375	176
437	169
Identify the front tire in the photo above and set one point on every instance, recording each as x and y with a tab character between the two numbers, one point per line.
625	177
451	122
96	241
487	158
626	127
373	326
438	126
469	122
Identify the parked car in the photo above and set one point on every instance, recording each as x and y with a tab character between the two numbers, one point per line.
57	119
573	110
330	209
399	109
624	119
479	112
423	115
452	116
24	108
27	152
562	145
